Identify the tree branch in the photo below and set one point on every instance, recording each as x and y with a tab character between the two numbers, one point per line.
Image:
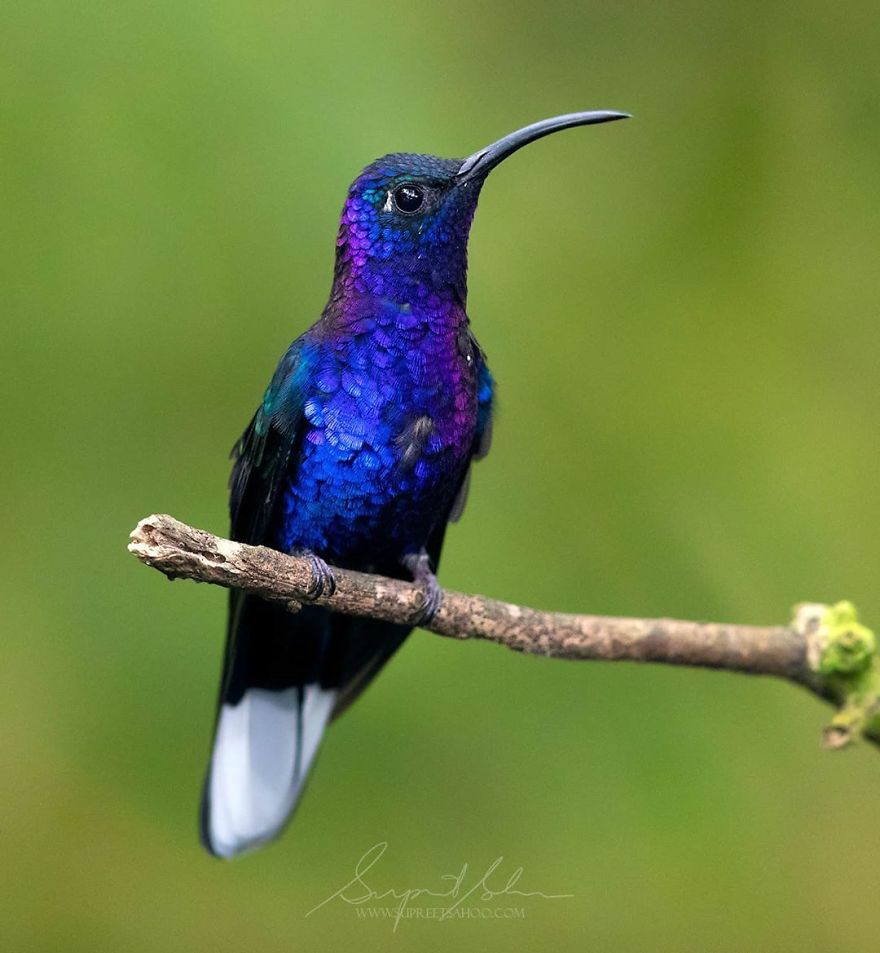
824	649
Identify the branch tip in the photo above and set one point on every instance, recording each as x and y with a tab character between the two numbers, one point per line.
842	652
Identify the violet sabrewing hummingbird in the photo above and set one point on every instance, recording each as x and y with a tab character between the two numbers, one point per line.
358	456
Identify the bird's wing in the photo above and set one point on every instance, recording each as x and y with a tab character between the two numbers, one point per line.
483	435
273	705
263	453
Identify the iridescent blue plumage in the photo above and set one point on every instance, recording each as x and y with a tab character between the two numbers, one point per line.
359	455
391	418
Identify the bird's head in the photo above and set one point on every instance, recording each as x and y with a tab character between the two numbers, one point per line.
406	220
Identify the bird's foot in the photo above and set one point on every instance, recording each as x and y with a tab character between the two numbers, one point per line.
323	582
419	564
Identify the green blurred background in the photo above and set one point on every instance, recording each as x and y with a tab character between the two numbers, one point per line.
682	313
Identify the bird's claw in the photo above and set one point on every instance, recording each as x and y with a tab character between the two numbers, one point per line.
323	582
420	567
433	597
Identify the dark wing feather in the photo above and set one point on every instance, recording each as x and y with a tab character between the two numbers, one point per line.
262	457
482	437
262	454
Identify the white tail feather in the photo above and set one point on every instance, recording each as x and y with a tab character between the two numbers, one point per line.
262	753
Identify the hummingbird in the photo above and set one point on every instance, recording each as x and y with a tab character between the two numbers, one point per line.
359	456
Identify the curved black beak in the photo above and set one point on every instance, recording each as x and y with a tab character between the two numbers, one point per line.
482	162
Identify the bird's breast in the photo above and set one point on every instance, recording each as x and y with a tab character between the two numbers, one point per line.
390	424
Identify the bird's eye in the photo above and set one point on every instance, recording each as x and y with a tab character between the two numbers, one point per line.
409	198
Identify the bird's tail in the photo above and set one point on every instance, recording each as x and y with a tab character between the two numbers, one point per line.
272	713
284	677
